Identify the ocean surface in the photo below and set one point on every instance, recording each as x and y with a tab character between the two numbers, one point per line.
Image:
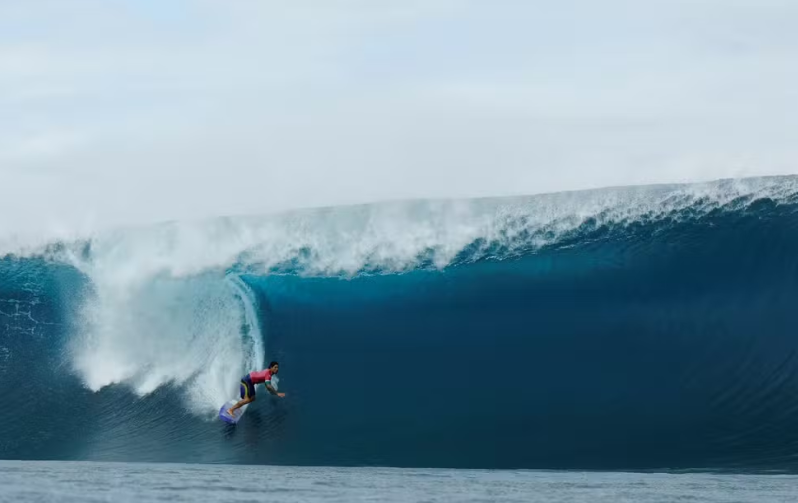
626	329
22	482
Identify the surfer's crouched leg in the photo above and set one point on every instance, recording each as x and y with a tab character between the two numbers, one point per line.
231	410
247	389
247	393
240	404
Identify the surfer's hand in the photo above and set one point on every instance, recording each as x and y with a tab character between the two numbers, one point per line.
281	395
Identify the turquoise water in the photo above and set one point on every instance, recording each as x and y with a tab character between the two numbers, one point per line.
22	482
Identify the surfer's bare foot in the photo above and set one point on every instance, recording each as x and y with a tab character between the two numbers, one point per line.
230	412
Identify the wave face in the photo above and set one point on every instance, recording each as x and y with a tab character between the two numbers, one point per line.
636	328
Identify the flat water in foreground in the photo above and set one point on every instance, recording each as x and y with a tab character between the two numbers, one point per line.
120	482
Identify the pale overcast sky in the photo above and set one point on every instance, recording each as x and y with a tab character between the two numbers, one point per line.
129	111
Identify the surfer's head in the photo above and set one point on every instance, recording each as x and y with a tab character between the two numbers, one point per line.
274	367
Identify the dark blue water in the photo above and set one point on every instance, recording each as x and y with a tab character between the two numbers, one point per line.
663	340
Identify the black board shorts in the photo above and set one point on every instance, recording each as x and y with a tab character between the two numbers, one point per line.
247	388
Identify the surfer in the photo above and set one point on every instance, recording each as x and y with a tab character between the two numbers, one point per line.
248	383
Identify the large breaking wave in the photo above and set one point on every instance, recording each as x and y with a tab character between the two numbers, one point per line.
629	328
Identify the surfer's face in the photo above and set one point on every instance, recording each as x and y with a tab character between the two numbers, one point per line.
274	369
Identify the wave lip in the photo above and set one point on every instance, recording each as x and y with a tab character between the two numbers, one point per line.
393	237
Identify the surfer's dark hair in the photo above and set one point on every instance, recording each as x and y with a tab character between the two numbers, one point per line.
272	364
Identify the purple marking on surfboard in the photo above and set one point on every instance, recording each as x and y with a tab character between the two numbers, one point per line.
224	416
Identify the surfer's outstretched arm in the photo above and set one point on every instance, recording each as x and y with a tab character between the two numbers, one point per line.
273	391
